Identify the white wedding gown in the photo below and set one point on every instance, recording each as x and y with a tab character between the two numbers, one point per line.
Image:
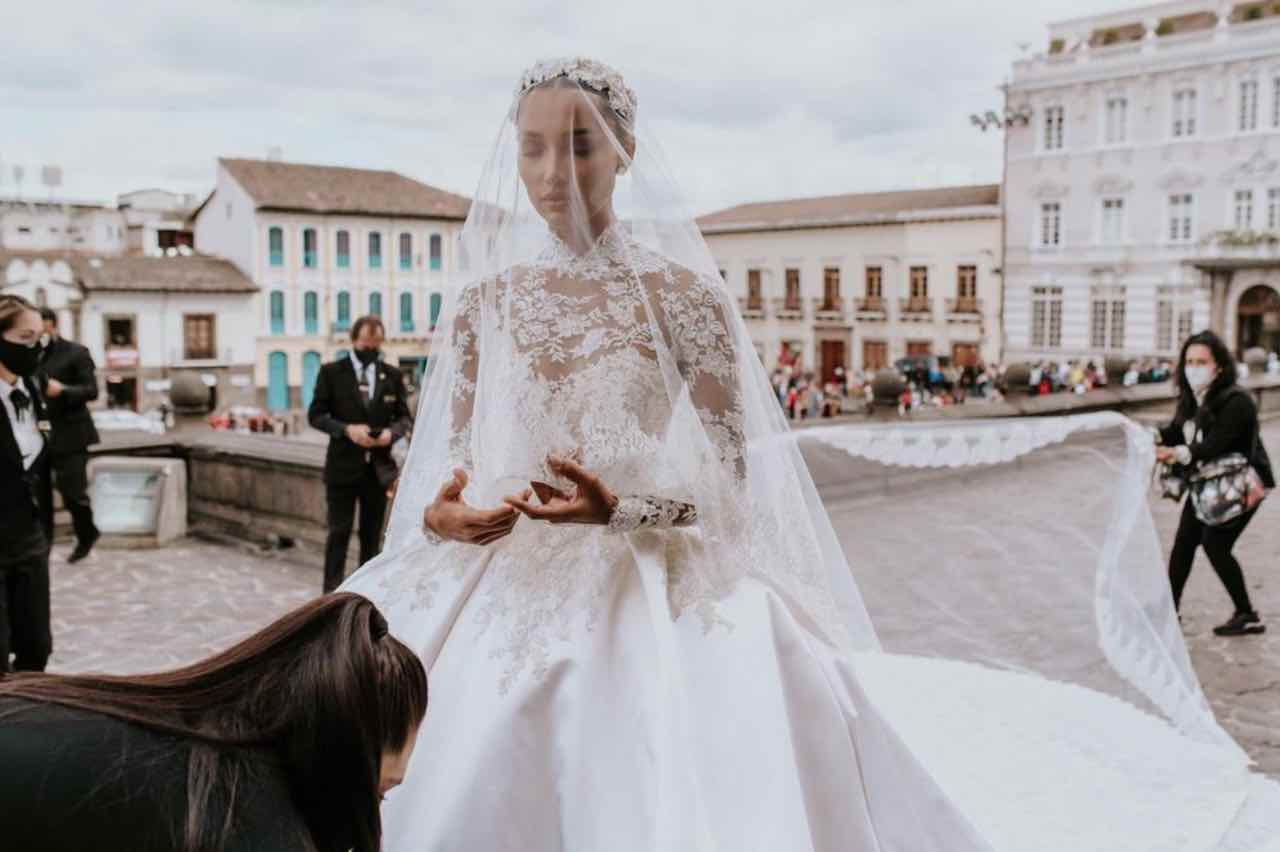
583	700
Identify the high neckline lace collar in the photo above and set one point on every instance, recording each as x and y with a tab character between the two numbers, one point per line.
610	245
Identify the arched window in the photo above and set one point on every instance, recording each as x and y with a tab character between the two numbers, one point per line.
310	370
344	311
406	251
277	312
435	310
277	381
275	245
343	252
437	251
406	312
375	304
309	259
311	313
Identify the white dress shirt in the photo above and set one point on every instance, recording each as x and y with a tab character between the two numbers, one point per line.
368	375
25	431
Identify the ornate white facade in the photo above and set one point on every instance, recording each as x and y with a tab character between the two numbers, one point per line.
859	281
1143	185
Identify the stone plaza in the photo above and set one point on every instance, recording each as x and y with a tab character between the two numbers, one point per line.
128	611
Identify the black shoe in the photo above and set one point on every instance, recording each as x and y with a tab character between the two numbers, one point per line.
1241	624
83	548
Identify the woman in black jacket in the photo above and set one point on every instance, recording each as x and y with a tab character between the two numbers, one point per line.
286	742
1215	417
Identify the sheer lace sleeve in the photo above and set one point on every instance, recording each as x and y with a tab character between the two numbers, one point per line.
466	358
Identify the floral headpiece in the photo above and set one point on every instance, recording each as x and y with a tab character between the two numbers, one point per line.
587	72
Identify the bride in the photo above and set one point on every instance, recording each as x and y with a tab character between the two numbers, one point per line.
640	627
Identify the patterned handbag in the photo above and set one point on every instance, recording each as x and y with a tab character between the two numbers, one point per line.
1224	489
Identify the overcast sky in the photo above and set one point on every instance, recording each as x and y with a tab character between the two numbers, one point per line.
806	97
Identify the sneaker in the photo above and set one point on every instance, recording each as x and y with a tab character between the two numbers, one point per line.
1241	624
83	548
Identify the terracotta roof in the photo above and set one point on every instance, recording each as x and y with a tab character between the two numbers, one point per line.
334	189
192	274
869	208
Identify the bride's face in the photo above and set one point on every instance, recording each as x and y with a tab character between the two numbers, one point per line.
568	162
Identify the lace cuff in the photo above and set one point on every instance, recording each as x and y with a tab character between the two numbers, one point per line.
634	513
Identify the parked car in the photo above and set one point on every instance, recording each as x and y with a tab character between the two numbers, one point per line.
122	419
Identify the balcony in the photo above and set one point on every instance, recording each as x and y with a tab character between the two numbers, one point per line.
871	309
1237	250
964	310
788	309
751	309
915	309
830	312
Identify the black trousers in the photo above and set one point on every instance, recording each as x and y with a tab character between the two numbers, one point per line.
24	605
1217	543
69	475
342	499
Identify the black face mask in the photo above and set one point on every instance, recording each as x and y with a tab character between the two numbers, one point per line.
367	356
21	359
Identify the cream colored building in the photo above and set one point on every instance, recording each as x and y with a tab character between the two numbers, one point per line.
859	281
1143	190
326	245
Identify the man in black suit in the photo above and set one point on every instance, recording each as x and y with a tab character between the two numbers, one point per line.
360	403
69	383
26	505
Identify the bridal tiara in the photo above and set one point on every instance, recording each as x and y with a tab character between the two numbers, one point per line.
587	72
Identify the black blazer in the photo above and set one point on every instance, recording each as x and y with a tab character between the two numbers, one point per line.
337	402
25	496
74	779
1228	423
72	365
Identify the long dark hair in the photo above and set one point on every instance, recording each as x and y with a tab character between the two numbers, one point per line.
323	691
1187	405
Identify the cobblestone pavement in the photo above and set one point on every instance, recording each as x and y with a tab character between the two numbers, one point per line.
132	611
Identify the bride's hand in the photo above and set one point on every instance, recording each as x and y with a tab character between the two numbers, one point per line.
451	518
592	502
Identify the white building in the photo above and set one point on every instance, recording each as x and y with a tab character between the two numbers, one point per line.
156	221
59	227
326	245
1143	191
859	281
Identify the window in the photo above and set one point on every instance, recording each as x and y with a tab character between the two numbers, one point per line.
1174	317
435	301
967	284
311	313
1106	318
875	354
919	347
1115	121
344	250
1180	224
309	248
1273	208
831	289
42	297
375	304
919	284
406	251
1112	220
1247	119
344	311
406	312
375	250
1054	117
793	289
755	297
275	246
1051	224
1046	317
1243	216
120	333
436	251
197	337
1184	113
1275	101
875	283
277	312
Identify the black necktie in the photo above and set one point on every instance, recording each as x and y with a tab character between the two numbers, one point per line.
20	402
